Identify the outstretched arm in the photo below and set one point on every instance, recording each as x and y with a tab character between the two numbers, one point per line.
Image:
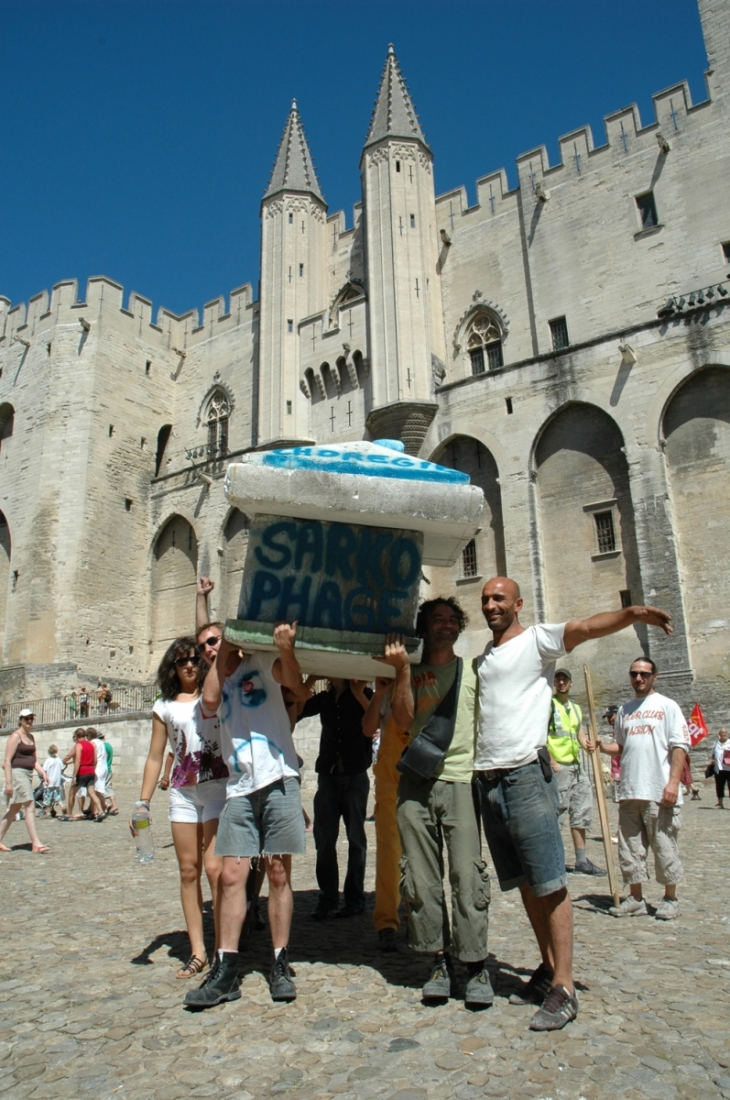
610	622
286	668
204	588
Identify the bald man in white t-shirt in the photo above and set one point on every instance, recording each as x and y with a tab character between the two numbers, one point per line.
518	796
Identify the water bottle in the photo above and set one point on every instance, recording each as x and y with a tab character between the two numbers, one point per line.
143	839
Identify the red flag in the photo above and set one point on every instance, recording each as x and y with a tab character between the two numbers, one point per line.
697	726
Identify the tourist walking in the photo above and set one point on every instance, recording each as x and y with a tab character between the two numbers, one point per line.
721	763
20	763
198	790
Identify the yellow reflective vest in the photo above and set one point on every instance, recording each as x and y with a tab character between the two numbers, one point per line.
565	721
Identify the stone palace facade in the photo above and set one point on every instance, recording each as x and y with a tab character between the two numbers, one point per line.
566	343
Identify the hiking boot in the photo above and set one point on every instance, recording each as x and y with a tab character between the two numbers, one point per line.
478	988
667	909
438	986
588	868
221	984
387	941
558	1009
629	907
280	983
536	989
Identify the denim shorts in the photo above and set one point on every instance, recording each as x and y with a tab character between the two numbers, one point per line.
267	822
520	815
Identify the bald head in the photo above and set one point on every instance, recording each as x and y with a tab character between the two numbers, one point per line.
501	604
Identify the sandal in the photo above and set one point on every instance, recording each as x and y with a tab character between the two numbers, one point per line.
41	850
4	848
192	968
113	813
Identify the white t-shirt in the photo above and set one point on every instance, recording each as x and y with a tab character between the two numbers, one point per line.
721	755
255	727
53	768
648	729
515	691
101	761
195	740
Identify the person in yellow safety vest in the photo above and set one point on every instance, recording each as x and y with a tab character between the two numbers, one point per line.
567	742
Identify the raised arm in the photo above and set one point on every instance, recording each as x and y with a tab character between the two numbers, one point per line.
371	717
213	684
286	668
578	631
401	706
204	588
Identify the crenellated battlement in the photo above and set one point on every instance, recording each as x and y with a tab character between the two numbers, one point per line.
104	304
626	136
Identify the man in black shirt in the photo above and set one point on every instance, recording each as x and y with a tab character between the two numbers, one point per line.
345	754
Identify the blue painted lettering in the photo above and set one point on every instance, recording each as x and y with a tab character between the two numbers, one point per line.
368	558
341	545
328	606
291	598
265	587
309	541
389	612
404	548
268	540
357	612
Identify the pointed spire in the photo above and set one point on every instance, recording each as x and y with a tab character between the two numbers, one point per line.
394	114
294	168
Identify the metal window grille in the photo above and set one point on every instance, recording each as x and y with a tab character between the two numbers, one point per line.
647	210
494	355
559	333
469	560
477	360
605	532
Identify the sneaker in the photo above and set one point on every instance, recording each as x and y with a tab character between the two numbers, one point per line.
438	986
536	989
221	984
629	907
387	941
280	979
667	909
478	988
588	868
557	1010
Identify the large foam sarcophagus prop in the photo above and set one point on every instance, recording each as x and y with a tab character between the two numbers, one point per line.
337	539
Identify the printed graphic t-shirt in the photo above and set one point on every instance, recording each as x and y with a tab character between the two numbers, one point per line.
255	725
195	740
515	691
648	729
430	684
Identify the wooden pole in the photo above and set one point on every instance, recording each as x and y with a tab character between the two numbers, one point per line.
600	791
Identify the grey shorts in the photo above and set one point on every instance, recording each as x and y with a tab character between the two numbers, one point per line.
268	822
575	794
22	786
649	825
520	814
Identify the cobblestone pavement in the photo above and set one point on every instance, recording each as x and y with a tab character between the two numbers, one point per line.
90	1006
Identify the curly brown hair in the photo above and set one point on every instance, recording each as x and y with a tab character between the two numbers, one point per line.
167	679
427	607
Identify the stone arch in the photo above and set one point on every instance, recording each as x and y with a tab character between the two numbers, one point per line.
696	439
235	545
174	576
470	456
5	557
583	497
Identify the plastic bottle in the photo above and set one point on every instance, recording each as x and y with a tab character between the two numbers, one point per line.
143	839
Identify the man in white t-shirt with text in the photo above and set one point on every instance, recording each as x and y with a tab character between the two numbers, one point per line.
518	795
652	740
262	817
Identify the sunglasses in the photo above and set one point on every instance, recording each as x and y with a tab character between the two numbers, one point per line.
181	662
212	641
640	675
28	718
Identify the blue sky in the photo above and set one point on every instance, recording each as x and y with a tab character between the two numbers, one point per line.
138	135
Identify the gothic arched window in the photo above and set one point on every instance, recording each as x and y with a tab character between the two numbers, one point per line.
217	417
484	343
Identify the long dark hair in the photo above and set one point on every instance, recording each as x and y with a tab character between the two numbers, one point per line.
167	680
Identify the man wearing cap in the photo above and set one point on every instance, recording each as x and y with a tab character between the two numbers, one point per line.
567	744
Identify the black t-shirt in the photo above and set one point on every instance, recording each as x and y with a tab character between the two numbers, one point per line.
343	747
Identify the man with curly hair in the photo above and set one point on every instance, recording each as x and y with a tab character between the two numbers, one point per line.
438	810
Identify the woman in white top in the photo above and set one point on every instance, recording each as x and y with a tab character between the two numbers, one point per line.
100	765
198	786
721	762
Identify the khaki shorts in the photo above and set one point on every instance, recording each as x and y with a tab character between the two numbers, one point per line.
644	825
575	794
22	785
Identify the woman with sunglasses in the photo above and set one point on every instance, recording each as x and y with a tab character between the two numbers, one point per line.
20	763
198	790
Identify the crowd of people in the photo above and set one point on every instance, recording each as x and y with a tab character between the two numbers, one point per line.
492	744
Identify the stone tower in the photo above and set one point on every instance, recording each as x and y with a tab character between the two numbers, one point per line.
401	256
293	270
